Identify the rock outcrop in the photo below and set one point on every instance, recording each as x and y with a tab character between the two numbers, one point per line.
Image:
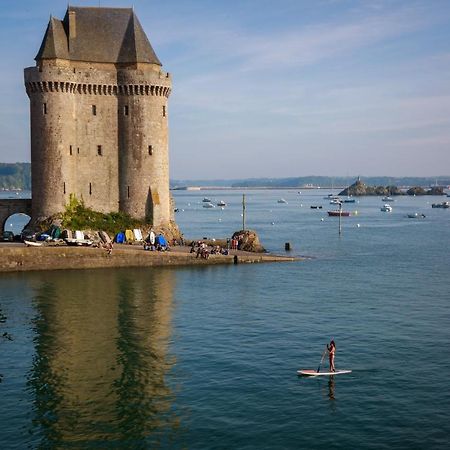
358	189
248	241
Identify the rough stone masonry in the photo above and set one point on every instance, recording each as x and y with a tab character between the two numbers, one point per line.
98	107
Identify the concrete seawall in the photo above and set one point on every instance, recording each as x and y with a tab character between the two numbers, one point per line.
21	258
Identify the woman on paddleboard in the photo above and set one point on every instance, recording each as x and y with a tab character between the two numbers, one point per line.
331	351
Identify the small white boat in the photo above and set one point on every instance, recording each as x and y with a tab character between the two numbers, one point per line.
206	200
386	208
282	200
221	203
416	216
79	242
387	199
208	205
33	243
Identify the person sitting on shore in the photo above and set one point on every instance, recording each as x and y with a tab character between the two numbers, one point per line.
215	250
109	248
201	248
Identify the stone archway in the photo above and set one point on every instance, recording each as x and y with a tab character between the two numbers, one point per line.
8	207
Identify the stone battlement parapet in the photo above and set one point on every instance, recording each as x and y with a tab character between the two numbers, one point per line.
96	89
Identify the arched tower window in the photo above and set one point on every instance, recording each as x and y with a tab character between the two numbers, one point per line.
150	150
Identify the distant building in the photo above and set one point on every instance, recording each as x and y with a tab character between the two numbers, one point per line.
98	106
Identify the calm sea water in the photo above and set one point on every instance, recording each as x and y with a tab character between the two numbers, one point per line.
206	358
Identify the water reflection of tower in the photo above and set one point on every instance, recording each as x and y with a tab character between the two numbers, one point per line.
101	355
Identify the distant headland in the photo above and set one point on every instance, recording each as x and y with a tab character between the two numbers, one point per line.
360	189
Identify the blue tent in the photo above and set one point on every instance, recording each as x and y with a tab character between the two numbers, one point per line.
120	237
160	239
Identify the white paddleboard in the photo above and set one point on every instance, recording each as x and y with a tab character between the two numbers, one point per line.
314	373
152	238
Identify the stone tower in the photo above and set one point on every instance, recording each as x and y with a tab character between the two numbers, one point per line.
98	106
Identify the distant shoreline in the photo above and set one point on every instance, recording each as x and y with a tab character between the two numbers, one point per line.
15	176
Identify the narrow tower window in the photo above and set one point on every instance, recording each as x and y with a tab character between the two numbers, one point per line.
90	188
78	150
164	110
70	150
64	187
128	191
125	110
150	150
99	150
44	108
94	110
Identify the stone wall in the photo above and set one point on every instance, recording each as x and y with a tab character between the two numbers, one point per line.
8	207
20	259
100	132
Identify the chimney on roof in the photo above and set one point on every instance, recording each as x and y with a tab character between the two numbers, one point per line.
72	25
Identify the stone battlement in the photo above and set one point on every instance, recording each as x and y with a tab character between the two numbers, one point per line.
96	89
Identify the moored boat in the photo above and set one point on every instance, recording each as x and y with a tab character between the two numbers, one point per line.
79	242
33	243
281	200
441	205
206	200
338	212
221	203
386	208
208	205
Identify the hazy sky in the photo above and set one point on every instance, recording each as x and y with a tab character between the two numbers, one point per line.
265	88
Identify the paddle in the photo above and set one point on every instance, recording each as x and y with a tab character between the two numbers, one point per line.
321	360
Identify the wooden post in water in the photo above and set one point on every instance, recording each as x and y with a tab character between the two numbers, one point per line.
243	212
340	215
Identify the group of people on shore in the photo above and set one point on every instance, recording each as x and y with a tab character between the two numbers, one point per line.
235	242
203	251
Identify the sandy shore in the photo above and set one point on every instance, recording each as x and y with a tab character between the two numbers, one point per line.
16	257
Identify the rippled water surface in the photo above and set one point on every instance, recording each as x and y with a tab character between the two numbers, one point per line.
206	358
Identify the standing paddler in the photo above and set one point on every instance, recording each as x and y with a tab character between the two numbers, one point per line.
331	347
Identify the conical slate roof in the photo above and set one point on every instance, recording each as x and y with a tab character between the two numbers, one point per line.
104	35
54	44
